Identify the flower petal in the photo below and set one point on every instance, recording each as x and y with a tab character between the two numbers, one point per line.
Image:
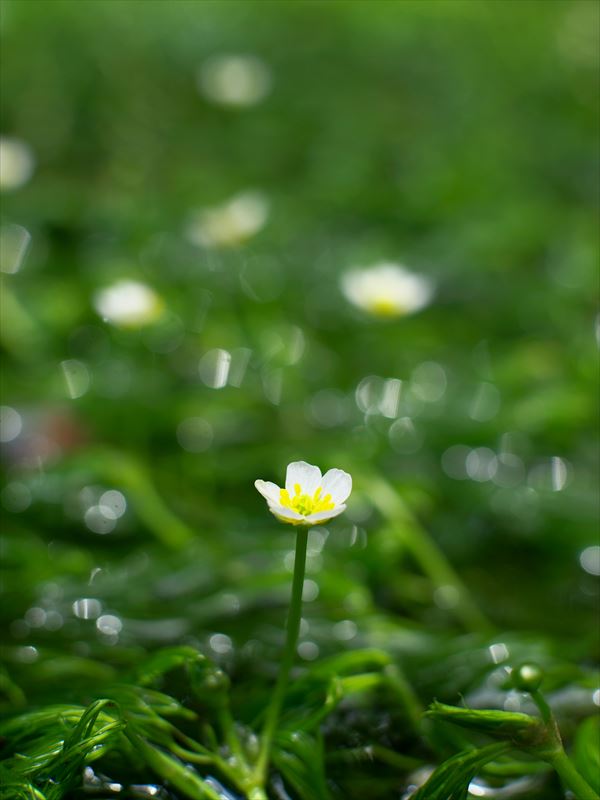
286	514
322	516
270	491
338	484
307	475
353	287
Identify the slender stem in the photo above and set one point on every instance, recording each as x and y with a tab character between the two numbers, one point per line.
289	653
571	778
189	755
229	732
558	758
375	752
544	709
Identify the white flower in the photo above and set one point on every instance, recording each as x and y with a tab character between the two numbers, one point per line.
235	80
309	498
387	289
229	224
16	163
128	304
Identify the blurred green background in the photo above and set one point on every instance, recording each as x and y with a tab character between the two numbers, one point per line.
238	158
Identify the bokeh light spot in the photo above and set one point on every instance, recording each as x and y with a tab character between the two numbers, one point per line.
115	501
404	437
11	424
428	381
308	651
87	608
16	497
77	377
214	368
485	403
14	244
109	624
195	434
590	559
100	519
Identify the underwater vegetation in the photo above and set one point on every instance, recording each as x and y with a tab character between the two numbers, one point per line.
241	239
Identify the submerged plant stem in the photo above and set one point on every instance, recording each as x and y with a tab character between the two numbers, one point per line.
571	777
228	727
293	628
561	762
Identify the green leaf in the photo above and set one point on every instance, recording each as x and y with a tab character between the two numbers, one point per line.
208	683
350	662
164	661
327	683
18	790
147	702
86	742
183	777
300	759
521	730
67	737
586	751
451	780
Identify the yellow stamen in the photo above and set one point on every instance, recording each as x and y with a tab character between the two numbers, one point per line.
383	307
305	504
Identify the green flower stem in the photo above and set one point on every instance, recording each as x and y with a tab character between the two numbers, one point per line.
571	777
558	758
544	709
289	653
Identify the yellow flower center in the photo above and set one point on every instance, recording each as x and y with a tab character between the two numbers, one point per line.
305	504
383	307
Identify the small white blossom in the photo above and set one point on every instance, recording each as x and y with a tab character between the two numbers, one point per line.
309	498
16	163
128	304
234	80
229	224
387	290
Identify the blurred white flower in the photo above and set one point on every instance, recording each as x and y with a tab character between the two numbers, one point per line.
16	163
387	290
128	304
309	498
229	224
234	79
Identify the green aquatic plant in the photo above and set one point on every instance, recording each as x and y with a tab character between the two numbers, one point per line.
234	233
539	738
179	716
195	748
